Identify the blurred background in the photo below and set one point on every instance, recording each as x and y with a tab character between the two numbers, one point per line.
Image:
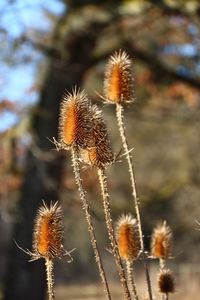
50	46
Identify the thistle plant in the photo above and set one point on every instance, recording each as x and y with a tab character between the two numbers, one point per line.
83	131
75	134
161	248
48	240
166	283
100	155
129	246
119	90
161	243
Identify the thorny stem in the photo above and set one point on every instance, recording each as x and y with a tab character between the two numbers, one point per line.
129	269
120	119
88	216
50	278
162	263
109	224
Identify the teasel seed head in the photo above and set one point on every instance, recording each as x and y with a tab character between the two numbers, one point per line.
100	153
48	232
75	120
161	241
166	282
127	234
119	80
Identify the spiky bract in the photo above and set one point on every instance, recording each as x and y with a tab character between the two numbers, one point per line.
75	120
128	237
166	282
118	83
48	232
161	241
100	153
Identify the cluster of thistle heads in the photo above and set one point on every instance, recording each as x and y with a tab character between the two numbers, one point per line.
82	124
161	248
82	128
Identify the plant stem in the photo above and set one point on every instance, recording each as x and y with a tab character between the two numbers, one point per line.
50	279
109	224
120	119
129	268
88	216
162	263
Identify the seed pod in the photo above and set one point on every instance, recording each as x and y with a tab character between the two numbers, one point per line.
118	83
75	120
100	152
128	237
166	282
161	241
48	232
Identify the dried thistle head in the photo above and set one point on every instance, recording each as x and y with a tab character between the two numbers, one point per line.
99	153
166	282
75	120
161	241
127	234
118	83
48	232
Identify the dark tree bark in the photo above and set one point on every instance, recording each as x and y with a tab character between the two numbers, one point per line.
26	280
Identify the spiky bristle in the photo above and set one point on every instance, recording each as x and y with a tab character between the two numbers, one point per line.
128	237
161	241
118	83
166	282
100	152
48	232
75	120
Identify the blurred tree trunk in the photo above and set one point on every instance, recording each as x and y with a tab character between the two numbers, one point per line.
26	280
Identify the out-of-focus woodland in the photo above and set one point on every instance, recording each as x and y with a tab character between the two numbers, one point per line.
163	125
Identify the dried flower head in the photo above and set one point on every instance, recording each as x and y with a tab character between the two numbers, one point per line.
166	282
161	241
128	237
48	232
100	152
118	83
75	120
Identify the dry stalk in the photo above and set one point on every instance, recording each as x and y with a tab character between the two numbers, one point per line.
120	119
109	224
75	162
129	269
50	278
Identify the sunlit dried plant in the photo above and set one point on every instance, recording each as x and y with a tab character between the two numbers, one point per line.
48	232
166	283
128	237
75	120
99	156
48	240
119	80
129	245
161	241
100	153
76	134
119	89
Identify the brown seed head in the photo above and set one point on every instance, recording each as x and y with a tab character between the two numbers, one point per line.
118	83
128	237
166	282
161	241
48	232
100	152
75	120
